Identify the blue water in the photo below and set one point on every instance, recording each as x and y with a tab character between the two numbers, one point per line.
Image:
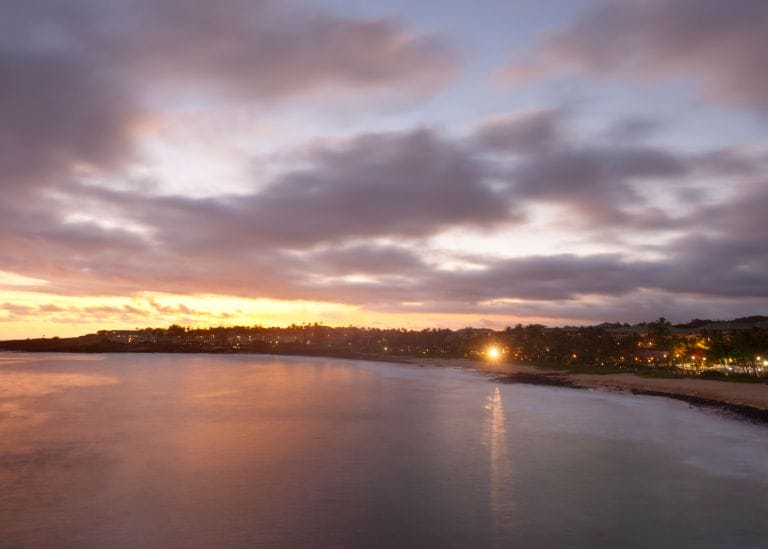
258	451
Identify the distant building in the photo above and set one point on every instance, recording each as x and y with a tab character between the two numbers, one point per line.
129	336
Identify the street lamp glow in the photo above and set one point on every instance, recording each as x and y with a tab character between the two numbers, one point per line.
493	353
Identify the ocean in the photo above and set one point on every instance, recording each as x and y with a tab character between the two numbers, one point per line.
152	450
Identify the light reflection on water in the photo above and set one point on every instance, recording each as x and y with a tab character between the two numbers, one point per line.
202	450
26	384
494	437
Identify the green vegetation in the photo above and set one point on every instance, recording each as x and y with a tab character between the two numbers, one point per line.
735	350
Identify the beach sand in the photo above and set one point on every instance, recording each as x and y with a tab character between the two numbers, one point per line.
711	392
754	395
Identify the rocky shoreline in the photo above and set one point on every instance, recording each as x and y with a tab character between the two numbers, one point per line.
741	411
746	401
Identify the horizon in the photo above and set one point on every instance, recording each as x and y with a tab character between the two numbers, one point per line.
399	165
761	319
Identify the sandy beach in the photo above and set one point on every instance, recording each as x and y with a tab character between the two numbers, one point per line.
712	392
754	395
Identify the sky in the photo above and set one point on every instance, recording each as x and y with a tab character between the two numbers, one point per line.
386	164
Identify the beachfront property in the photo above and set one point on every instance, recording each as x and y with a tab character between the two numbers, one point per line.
726	347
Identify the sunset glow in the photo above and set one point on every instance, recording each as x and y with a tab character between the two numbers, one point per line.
399	168
493	353
337	273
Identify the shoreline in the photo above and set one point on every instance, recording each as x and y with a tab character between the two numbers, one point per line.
747	401
744	401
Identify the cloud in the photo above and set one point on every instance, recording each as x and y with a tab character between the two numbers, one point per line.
698	272
276	49
597	179
350	221
603	182
525	131
106	313
637	306
57	114
79	77
366	259
260	48
633	128
400	184
716	44
597	182
14	310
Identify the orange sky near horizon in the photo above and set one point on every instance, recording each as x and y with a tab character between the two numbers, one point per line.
381	164
25	314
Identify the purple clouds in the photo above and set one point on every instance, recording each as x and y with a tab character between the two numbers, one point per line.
549	214
718	45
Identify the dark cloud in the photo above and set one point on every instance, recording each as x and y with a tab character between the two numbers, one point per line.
367	259
275	49
720	265
138	312
324	231
263	48
403	185
638	306
76	80
58	113
546	277
604	183
633	128
733	161
407	184
527	131
707	270
597	182
718	44
77	75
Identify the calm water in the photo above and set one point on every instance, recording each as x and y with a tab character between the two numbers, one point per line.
243	451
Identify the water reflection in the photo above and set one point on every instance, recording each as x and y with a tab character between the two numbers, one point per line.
16	384
495	438
244	451
23	379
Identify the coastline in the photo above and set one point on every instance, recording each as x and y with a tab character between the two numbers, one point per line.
745	400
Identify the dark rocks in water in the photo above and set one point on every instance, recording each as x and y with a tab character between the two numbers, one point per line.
552	380
742	411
